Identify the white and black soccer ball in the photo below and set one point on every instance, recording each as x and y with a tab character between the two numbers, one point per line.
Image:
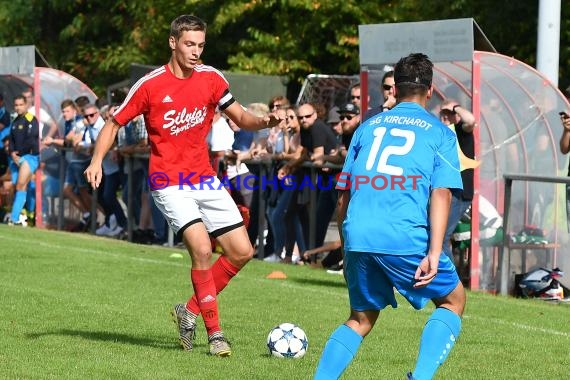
287	341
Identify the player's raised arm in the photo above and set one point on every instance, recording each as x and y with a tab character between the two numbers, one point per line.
247	121
105	140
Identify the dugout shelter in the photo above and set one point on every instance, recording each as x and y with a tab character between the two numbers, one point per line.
19	71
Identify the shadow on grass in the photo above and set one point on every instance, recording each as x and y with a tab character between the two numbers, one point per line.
334	281
106	336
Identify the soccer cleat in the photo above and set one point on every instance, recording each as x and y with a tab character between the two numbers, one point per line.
186	325
220	346
409	376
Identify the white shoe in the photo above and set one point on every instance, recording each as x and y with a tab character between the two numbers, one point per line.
103	230
115	231
331	271
274	258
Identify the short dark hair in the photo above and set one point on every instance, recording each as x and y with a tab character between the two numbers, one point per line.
413	75
185	23
81	101
387	74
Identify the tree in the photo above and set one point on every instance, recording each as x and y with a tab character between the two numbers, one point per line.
97	41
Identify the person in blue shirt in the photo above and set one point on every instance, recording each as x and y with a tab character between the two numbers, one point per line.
394	197
24	151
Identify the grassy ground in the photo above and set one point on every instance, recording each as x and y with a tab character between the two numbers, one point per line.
76	306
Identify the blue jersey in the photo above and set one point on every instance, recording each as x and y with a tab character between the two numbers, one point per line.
394	161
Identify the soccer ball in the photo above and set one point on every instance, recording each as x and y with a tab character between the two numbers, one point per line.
287	341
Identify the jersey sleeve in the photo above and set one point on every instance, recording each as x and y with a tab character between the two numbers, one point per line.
221	90
446	172
136	103
344	177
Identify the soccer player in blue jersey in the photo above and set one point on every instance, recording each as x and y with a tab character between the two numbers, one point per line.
395	192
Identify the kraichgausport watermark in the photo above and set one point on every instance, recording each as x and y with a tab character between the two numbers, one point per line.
340	181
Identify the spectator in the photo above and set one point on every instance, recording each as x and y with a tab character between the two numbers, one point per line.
115	220
82	101
133	145
278	102
388	96
462	122
80	139
333	258
48	127
317	140
5	121
294	239
278	198
333	120
355	95
24	151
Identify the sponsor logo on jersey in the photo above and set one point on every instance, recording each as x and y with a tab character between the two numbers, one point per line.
183	120
167	99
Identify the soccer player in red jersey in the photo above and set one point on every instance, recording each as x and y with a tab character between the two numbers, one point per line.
178	101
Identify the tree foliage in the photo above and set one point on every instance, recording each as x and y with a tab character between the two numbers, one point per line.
97	41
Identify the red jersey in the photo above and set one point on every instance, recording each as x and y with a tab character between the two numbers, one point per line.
178	116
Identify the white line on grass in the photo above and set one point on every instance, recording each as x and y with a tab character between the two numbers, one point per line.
292	285
520	326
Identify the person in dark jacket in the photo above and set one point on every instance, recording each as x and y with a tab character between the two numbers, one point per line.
24	154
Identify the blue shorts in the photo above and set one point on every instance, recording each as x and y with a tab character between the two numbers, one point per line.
32	160
74	174
372	277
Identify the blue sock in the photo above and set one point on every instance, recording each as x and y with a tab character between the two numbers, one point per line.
438	337
19	201
338	353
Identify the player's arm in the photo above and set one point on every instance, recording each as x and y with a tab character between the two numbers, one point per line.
342	206
440	201
247	121
104	142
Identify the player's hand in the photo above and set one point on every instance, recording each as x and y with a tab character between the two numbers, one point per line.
93	173
426	271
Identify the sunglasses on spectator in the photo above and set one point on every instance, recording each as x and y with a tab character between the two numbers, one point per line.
90	115
355	97
301	117
386	87
347	117
290	117
276	105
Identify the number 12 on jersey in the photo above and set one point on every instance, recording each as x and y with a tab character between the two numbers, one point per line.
398	150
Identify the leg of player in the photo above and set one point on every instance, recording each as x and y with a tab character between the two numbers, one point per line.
197	242
440	333
24	176
237	252
343	344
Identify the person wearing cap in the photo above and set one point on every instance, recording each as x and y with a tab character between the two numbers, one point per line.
392	236
333	120
350	119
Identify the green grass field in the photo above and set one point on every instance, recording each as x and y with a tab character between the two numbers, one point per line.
76	306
